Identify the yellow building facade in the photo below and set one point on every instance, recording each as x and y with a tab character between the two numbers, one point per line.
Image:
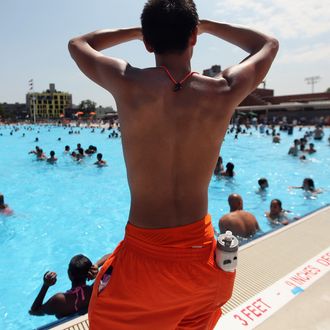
50	104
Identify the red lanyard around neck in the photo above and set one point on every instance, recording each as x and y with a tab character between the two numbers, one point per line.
177	84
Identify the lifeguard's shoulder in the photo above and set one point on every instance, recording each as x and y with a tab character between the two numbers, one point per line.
217	82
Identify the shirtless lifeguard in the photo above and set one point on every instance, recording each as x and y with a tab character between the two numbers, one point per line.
163	274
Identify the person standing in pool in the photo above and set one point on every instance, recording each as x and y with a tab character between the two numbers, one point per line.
163	274
308	186
229	172
218	167
4	208
294	148
241	223
100	161
52	159
263	184
276	215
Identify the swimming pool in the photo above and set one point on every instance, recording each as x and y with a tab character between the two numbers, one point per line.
69	208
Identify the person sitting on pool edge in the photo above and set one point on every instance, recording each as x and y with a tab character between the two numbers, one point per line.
73	301
276	214
4	208
241	223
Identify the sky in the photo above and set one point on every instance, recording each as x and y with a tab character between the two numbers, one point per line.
34	36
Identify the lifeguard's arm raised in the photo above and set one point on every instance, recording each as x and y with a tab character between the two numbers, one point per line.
106	71
244	77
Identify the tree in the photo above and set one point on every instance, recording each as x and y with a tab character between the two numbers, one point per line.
87	106
2	113
328	90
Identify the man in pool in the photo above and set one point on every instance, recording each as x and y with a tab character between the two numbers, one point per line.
241	223
163	274
52	159
100	161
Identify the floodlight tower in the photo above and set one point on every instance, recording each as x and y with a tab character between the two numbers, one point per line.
312	81
31	88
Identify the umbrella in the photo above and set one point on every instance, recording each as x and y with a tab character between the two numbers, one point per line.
92	113
79	113
61	115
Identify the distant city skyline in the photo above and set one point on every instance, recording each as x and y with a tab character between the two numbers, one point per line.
35	34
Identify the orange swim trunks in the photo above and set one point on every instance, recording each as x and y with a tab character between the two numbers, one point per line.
161	279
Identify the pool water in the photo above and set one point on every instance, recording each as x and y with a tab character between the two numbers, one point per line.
69	208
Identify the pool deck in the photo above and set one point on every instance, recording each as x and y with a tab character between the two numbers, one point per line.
282	281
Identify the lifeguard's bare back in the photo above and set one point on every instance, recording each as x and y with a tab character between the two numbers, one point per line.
171	140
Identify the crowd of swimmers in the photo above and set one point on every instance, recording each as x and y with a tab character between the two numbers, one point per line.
244	224
77	155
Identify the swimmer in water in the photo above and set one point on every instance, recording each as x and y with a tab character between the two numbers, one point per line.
311	149
276	215
241	223
263	184
4	208
35	152
100	162
229	172
52	159
294	149
71	301
41	155
308	186
218	167
80	155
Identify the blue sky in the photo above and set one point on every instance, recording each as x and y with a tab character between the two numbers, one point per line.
34	36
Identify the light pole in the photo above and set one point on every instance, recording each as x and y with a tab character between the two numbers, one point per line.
312	81
34	108
31	88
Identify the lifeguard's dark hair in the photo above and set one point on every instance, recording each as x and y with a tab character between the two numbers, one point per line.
168	24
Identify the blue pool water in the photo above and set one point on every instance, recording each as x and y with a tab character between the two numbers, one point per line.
69	208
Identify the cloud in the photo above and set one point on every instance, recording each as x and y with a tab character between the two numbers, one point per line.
306	54
285	19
